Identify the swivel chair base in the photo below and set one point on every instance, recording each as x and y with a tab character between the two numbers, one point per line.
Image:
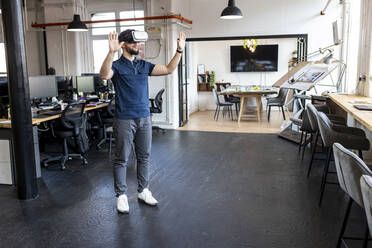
65	157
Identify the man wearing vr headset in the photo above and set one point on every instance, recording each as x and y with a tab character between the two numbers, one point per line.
132	123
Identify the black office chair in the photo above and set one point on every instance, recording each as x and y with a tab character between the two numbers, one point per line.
70	125
156	106
106	120
108	124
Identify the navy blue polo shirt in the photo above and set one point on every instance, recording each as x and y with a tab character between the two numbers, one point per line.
131	88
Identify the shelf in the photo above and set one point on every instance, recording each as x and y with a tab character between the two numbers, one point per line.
206	87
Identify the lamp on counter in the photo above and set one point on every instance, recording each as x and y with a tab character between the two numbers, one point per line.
231	11
250	45
77	25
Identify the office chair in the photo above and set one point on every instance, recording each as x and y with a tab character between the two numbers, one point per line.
70	125
156	107
106	121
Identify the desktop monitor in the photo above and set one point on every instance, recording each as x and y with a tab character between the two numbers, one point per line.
61	83
42	87
85	84
99	84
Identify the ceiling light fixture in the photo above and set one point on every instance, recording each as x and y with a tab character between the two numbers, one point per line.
77	25
231	11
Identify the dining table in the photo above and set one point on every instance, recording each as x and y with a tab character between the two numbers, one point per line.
248	91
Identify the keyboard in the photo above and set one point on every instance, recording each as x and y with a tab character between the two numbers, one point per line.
363	107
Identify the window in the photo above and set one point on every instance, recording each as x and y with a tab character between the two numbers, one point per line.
100	50
137	25
101	30
2	59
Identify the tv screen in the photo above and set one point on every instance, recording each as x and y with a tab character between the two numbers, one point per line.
265	58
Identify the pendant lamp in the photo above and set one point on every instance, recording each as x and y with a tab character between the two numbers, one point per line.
231	11
77	25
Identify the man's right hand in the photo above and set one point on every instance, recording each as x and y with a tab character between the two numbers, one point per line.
114	44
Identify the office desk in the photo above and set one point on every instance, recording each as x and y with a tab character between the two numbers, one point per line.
345	102
6	161
244	92
37	121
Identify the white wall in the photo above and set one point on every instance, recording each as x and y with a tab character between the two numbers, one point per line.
215	55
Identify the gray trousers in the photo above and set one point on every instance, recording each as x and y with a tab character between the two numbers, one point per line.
137	132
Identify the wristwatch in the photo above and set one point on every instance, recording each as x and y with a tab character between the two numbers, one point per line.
179	51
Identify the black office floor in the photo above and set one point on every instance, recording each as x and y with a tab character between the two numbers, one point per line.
214	190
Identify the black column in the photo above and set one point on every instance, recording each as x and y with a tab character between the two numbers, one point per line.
19	97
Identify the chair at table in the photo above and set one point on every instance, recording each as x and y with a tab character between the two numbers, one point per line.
349	137
107	119
366	186
70	125
157	107
350	169
312	113
233	99
277	101
219	104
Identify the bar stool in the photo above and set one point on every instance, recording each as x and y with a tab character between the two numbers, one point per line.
305	129
350	137
349	169
312	112
366	186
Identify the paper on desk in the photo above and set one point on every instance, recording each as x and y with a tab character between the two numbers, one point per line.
6	122
360	102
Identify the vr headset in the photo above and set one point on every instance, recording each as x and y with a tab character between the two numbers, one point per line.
130	36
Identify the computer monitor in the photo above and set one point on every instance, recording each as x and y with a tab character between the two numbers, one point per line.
99	85
61	83
85	84
42	87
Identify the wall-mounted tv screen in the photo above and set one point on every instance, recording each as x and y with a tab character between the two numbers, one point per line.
265	58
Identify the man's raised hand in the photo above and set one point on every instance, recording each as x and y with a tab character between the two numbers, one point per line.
114	45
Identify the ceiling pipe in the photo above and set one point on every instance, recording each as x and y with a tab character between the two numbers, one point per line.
42	25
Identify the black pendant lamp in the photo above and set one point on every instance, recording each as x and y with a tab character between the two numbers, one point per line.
77	25
231	11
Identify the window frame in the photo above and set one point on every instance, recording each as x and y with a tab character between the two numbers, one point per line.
117	28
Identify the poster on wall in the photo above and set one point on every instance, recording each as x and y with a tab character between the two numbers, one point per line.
201	69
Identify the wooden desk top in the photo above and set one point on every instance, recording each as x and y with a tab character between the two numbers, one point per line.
37	121
346	103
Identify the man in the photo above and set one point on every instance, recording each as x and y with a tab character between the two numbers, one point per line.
132	121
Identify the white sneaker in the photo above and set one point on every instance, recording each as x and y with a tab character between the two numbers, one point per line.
147	197
122	204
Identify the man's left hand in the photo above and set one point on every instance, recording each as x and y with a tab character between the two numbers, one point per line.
181	41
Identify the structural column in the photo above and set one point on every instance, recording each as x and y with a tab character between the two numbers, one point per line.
19	97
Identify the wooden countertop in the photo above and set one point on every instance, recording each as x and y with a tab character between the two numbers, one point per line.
346	103
37	121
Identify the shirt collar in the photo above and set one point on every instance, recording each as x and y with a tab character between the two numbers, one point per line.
124	59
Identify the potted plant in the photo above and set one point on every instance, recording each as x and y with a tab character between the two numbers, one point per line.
212	79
